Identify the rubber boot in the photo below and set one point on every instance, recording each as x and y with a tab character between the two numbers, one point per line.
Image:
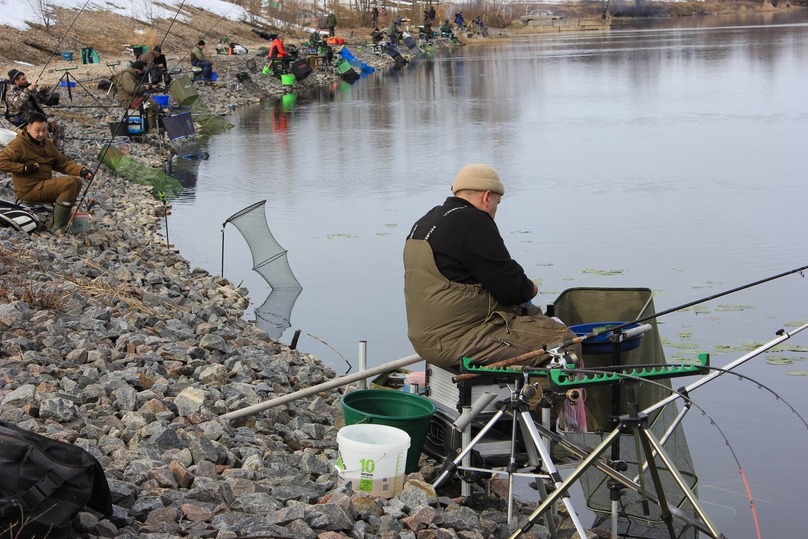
61	215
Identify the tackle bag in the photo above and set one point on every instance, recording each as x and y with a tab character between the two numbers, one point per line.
301	69
44	483
18	218
89	56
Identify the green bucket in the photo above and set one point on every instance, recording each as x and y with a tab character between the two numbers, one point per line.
287	79
408	412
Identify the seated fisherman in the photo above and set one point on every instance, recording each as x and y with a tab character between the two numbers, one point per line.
377	36
465	296
129	85
446	29
23	98
277	52
198	59
156	66
31	159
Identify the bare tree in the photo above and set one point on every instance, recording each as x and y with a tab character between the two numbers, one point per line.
43	9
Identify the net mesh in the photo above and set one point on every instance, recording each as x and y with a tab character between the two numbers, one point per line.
590	305
271	262
163	185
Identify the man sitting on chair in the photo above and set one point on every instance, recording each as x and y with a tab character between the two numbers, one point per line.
23	98
198	59
31	159
129	87
278	53
465	295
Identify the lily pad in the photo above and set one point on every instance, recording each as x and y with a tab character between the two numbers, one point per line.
779	360
733	308
334	236
603	273
797	373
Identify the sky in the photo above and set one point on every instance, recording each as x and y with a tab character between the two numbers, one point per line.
17	13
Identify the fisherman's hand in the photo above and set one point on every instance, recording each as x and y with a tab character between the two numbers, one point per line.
30	168
86	173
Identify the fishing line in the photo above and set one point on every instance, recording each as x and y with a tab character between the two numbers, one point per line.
59	44
108	144
690	402
215	24
618	327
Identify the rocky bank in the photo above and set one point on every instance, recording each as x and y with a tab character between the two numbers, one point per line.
112	342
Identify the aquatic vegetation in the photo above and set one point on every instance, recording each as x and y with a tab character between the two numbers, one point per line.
334	236
734	308
391	225
603	273
797	373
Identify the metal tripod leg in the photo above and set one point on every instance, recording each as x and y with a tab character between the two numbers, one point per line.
527	421
647	439
529	432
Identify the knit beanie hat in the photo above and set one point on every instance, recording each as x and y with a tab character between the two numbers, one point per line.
478	177
14	73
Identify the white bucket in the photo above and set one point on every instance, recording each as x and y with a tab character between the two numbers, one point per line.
373	458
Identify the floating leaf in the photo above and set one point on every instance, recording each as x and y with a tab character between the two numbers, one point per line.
685	335
605	273
391	225
733	308
333	236
382	233
794	324
779	360
797	373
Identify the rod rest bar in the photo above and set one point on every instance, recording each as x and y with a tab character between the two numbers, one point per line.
509	372
575	378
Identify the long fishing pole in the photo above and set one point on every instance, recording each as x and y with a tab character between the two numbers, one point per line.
59	44
612	329
582	338
215	24
108	144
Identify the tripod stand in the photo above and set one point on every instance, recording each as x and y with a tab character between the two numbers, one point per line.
517	408
636	423
69	80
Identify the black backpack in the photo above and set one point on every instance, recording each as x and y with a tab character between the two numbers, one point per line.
44	483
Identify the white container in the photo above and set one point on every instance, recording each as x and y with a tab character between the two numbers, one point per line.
81	223
6	136
373	457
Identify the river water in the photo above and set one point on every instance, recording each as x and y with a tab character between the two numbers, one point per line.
669	156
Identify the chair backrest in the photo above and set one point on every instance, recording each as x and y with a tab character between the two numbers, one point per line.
179	125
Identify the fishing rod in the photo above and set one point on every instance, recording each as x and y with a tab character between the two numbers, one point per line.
588	455
215	24
553	350
59	44
123	118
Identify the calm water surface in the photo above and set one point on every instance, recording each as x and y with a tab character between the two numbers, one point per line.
669	157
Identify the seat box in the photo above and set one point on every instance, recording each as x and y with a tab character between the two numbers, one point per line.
442	389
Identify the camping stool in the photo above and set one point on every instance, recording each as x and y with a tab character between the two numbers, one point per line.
196	73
